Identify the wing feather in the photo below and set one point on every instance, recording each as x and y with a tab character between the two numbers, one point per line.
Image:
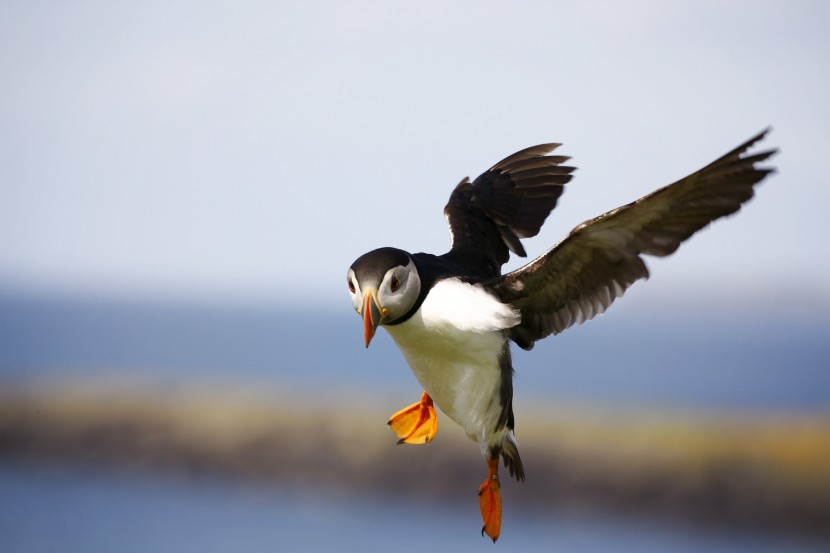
509	201
581	276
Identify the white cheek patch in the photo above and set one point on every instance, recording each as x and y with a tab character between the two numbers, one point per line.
466	307
399	303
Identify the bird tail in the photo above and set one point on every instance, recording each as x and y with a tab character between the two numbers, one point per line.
511	458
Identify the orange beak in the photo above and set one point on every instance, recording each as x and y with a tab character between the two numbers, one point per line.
371	316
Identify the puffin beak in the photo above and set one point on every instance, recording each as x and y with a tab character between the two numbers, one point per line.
371	315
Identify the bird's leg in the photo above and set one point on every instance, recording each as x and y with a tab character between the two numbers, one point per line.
489	500
416	424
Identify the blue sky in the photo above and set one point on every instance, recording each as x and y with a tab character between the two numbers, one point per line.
252	150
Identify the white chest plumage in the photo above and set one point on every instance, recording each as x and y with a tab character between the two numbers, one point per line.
453	344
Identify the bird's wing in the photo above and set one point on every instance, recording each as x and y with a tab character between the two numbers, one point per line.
507	202
583	274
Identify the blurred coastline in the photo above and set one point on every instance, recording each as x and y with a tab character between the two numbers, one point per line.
764	473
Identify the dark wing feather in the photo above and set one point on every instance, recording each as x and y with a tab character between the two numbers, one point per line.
511	200
583	274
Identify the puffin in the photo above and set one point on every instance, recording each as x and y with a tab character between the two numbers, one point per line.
454	316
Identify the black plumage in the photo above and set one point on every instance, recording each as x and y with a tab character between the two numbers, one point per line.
509	201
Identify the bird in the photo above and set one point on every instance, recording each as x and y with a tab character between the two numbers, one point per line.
453	316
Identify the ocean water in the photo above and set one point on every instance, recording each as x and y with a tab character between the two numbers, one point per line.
86	511
661	357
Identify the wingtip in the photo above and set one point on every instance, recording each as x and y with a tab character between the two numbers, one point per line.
758	137
539	150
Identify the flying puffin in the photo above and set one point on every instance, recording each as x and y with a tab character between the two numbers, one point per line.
453	315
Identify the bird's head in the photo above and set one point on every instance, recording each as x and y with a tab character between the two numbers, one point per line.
384	285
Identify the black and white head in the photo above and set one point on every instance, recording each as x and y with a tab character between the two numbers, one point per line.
384	285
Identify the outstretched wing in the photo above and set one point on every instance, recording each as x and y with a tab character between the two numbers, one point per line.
583	274
511	200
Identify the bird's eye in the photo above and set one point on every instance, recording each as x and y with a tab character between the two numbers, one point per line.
351	286
395	284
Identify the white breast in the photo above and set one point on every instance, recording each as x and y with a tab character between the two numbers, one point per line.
453	343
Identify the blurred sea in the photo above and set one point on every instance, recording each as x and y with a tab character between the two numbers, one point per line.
721	361
73	510
653	359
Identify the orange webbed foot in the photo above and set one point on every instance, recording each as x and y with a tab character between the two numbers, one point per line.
489	499
416	424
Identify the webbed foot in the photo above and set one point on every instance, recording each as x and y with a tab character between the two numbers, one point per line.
489	499
416	424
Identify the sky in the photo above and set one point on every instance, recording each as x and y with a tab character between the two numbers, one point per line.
252	150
